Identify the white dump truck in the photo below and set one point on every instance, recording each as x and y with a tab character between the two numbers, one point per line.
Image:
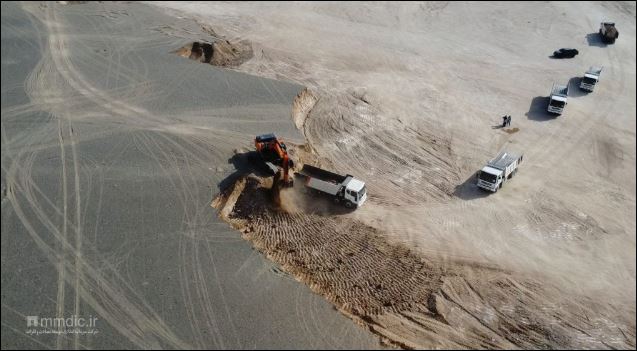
591	77
557	99
346	190
497	171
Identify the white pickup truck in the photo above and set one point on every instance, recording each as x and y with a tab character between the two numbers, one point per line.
591	77
497	171
346	190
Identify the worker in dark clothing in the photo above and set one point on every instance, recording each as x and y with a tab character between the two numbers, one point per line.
509	120
505	119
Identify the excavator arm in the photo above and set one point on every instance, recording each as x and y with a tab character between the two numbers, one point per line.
285	163
271	150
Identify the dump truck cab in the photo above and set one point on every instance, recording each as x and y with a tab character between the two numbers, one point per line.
558	98
590	79
355	192
556	104
490	178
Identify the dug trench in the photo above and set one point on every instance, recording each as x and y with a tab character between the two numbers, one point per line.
408	300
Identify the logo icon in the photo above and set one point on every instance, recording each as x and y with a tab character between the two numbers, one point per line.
32	321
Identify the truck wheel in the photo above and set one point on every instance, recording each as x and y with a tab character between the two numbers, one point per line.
349	204
336	200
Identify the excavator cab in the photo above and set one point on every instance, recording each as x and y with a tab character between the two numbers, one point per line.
275	155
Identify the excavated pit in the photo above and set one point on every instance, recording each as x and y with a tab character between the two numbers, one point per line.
222	53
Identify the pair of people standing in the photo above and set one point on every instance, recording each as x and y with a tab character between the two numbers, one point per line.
506	121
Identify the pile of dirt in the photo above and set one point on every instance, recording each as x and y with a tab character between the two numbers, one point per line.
221	53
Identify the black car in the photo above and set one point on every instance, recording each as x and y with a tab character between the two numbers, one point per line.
565	53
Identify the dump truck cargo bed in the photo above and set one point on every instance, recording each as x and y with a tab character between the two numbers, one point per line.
595	70
318	173
559	90
503	160
322	180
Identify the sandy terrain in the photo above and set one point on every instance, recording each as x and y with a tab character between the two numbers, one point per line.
114	145
407	99
112	149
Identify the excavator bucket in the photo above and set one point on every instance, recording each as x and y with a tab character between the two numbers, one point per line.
288	184
279	181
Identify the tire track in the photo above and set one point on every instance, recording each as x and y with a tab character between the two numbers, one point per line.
136	321
184	280
62	263
98	287
173	157
78	227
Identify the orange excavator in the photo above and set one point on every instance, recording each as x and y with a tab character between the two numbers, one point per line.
275	155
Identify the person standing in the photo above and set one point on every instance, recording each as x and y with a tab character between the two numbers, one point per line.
509	120
505	119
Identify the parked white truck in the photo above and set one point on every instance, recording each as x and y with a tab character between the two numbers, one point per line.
346	190
591	77
557	99
497	171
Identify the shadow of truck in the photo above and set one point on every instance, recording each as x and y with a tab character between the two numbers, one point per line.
469	190
574	89
594	39
537	109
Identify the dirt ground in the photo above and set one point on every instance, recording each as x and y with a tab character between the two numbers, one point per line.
409	98
410	300
113	147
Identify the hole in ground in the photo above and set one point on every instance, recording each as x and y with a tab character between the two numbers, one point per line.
221	53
